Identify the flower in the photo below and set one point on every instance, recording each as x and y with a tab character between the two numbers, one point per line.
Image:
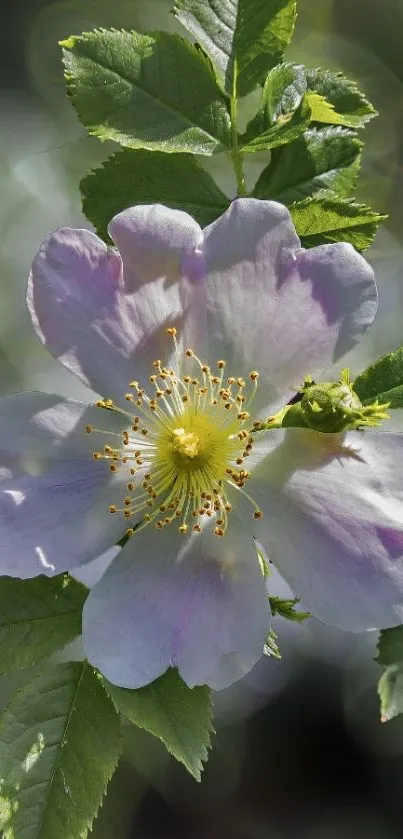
190	337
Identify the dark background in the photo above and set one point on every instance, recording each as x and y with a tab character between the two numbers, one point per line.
300	752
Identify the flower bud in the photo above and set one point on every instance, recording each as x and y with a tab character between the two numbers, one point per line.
333	407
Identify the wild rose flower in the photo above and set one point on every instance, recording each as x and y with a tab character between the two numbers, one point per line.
190	337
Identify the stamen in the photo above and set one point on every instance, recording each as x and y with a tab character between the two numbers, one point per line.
184	448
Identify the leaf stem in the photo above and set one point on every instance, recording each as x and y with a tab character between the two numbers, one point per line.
236	155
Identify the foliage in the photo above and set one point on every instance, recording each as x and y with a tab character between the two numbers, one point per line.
177	715
166	101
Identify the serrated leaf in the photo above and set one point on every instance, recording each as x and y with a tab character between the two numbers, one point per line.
37	618
154	92
322	220
382	380
321	160
286	609
178	715
324	111
390	646
243	38
283	132
284	110
343	99
60	742
141	177
390	690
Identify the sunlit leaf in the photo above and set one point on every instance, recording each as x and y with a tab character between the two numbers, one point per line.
322	220
321	160
383	380
154	92
243	38
60	742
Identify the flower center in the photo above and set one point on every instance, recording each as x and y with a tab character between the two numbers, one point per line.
187	443
184	446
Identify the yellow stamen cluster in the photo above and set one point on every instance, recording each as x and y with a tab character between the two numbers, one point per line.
184	446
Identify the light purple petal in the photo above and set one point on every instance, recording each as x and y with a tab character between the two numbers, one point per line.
38	427
53	496
276	308
333	523
104	320
198	605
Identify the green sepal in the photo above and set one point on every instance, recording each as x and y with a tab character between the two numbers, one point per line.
332	407
139	90
286	609
328	407
134	176
271	648
382	380
178	715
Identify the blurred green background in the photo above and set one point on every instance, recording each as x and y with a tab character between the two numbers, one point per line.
300	752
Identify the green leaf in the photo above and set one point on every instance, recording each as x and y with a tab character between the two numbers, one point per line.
321	160
390	689
284	110
390	646
60	742
383	380
141	177
341	102
286	609
324	111
37	617
243	38
177	715
271	648
321	220
154	92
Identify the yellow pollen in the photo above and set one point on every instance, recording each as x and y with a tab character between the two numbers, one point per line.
184	450
186	442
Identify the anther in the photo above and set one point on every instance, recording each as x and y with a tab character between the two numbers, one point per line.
172	331
221	364
88	429
258	514
254	375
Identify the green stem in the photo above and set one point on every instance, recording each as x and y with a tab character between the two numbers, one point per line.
236	155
